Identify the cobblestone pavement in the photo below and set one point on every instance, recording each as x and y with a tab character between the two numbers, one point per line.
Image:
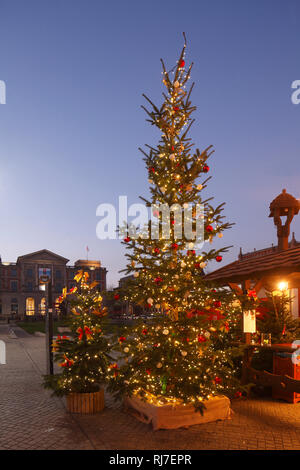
30	418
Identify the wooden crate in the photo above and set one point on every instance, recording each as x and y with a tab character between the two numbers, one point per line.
283	365
85	403
177	416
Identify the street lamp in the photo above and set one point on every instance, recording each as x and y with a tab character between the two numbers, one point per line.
283	285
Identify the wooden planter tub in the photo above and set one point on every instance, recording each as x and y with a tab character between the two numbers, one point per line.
176	416
85	403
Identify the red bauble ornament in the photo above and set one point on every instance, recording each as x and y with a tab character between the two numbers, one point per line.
174	246
191	252
127	239
217	303
116	296
218	380
238	394
181	64
175	108
122	339
205	169
209	228
145	331
219	259
152	169
201	339
156	250
157	280
197	265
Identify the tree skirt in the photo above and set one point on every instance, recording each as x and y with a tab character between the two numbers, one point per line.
168	416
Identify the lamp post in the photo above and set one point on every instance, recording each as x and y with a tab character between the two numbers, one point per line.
46	282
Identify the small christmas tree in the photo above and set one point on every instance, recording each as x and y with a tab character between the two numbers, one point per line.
274	317
185	352
83	357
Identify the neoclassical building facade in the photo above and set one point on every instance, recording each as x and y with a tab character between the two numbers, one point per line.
20	293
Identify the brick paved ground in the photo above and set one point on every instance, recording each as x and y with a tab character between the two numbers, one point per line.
31	419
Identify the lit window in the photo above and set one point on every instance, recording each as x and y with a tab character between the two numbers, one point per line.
43	306
30	306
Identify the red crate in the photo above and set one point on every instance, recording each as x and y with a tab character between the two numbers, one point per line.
283	365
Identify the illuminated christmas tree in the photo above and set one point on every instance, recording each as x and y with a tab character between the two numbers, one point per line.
84	355
186	351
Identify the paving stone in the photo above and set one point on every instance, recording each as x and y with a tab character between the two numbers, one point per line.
33	419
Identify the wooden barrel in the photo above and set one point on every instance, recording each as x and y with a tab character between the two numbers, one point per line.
85	403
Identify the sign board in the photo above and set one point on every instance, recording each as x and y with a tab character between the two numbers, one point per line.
44	275
249	322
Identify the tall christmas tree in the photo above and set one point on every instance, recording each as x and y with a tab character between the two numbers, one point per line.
83	357
185	351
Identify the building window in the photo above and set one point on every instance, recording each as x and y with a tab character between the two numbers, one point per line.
58	287
30	306
14	286
13	272
14	307
98	275
29	272
58	274
71	274
43	306
57	306
29	286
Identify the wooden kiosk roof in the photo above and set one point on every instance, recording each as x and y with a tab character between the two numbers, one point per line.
283	259
252	267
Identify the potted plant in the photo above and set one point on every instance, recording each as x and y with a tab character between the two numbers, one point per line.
84	355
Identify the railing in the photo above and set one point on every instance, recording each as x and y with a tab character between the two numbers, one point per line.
264	378
283	382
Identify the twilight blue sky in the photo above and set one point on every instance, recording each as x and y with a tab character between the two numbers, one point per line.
75	71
